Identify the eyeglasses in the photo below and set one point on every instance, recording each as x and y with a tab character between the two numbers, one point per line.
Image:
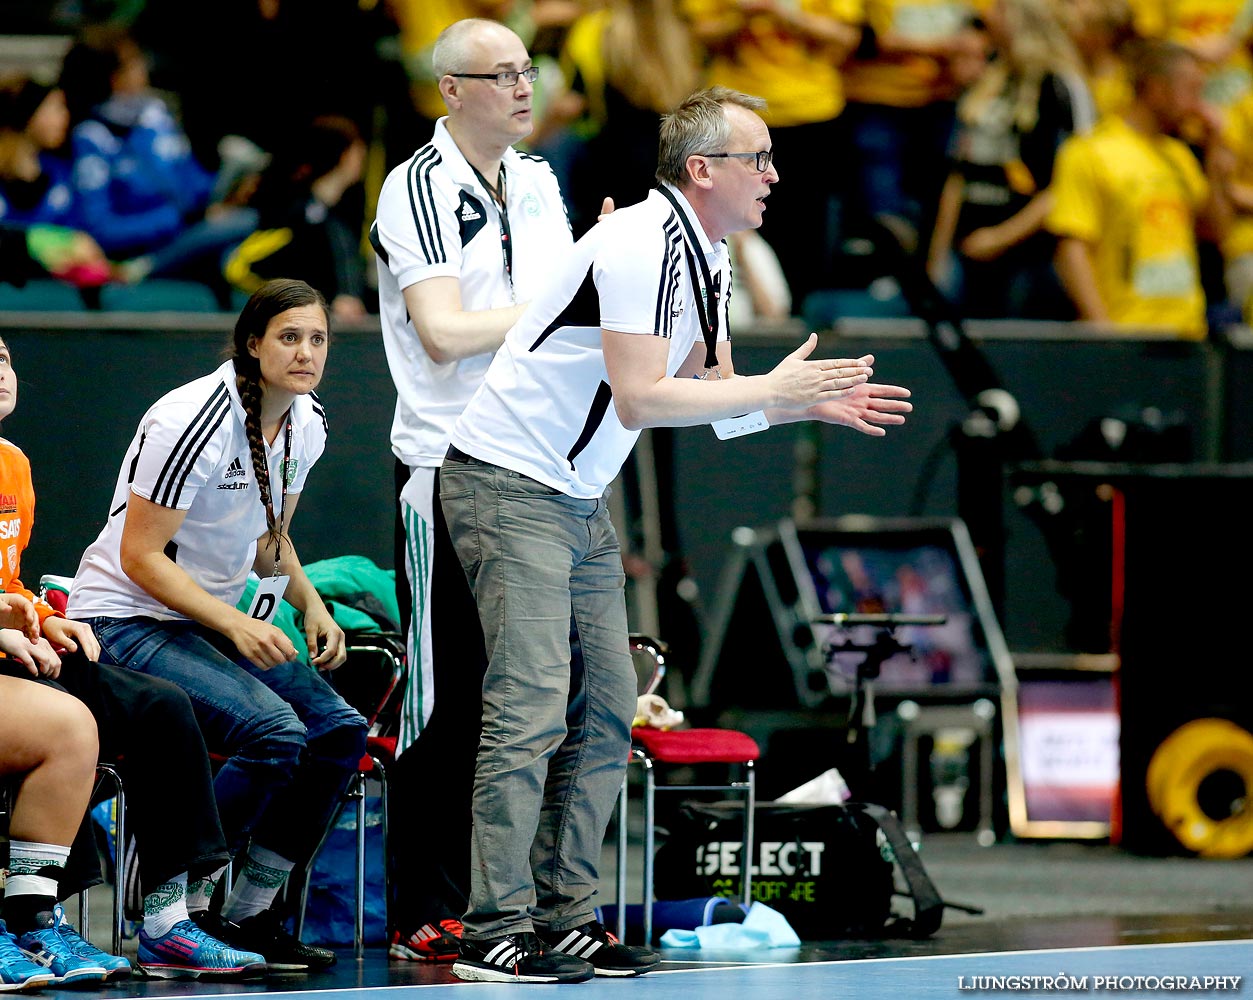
761	158
505	78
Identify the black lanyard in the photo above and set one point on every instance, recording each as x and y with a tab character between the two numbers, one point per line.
498	196
708	320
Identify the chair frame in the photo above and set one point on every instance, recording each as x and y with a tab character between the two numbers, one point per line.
656	650
110	772
356	792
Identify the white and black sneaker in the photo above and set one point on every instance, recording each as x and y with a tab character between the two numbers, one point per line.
517	958
609	957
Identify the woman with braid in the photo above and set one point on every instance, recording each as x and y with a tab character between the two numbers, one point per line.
207	491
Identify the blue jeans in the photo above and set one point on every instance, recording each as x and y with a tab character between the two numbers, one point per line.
290	740
554	746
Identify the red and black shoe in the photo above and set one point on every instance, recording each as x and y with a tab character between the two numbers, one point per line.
432	942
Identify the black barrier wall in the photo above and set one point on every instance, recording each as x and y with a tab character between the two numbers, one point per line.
83	390
85	380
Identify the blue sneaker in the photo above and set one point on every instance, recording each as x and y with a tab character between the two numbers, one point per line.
115	966
46	947
189	952
17	972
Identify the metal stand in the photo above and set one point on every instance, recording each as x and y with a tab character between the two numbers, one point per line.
861	711
974	719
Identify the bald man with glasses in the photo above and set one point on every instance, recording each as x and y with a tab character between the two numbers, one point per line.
464	230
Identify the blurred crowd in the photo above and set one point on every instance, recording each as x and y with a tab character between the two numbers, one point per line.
1034	159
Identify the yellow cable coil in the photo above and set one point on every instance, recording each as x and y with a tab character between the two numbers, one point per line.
1197	750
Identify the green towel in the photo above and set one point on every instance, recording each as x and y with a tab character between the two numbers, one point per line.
361	596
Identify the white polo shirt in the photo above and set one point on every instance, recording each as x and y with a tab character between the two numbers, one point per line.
191	453
545	408
435	218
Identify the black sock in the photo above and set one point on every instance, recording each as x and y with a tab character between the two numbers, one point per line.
28	912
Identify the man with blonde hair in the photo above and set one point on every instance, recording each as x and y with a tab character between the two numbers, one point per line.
628	332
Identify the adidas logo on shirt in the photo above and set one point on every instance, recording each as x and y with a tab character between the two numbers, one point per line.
468	213
236	472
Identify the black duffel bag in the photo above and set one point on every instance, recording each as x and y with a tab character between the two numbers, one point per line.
831	870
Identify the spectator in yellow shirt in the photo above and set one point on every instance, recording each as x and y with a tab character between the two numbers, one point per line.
1218	32
1130	198
1237	244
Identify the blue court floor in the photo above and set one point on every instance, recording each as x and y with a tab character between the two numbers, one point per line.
1110	922
1195	969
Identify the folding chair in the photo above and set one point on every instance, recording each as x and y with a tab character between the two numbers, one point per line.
110	772
377	696
656	749
54	590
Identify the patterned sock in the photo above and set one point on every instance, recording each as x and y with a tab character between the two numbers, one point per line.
263	875
31	887
165	906
200	890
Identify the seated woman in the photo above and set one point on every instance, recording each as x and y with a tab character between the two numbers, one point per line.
48	745
207	491
170	790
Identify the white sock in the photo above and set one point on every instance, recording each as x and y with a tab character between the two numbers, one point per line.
200	890
28	861
165	906
264	874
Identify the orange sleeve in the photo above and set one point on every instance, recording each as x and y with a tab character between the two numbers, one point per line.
17	511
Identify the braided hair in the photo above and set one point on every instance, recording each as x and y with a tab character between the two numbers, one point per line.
268	301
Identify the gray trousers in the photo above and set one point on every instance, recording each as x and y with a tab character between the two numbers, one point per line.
555	739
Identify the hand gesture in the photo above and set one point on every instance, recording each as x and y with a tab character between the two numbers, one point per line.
17	612
35	654
72	636
866	406
799	383
261	643
323	633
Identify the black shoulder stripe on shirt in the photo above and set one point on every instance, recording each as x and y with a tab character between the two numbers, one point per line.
583	309
377	244
130	473
320	410
422	203
205	436
186	448
595	416
670	284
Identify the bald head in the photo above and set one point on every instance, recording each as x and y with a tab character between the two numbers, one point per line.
465	43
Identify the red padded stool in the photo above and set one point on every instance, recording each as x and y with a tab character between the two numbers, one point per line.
658	748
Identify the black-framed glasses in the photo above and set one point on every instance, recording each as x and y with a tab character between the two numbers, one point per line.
505	78
761	159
